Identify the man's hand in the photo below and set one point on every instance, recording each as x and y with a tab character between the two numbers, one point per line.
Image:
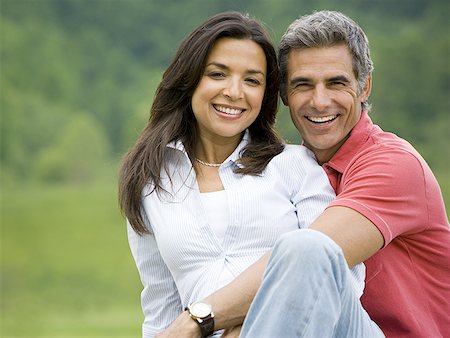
182	327
234	332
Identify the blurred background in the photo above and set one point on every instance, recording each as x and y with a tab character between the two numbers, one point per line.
77	78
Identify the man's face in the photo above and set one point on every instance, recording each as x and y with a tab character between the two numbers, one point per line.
322	94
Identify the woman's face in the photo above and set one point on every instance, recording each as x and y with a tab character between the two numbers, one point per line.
229	96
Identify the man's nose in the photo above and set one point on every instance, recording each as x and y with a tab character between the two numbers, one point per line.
320	98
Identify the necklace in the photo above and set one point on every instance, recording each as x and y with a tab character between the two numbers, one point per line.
208	164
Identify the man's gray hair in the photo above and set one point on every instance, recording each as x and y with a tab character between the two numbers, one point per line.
327	29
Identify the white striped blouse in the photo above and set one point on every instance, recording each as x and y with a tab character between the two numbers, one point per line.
182	260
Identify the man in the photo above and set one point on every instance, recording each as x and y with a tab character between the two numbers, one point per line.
389	212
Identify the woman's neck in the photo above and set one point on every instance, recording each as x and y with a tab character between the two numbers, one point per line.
216	150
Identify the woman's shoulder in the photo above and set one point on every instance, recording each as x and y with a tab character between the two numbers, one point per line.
295	148
296	152
294	157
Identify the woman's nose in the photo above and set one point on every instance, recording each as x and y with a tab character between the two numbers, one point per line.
233	90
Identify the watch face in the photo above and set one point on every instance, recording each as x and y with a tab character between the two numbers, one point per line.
200	310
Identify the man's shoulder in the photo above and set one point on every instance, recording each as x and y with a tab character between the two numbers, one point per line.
367	139
381	137
390	148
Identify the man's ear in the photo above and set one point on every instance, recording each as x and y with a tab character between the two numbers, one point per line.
367	89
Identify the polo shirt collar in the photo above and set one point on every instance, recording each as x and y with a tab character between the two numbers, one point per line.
358	137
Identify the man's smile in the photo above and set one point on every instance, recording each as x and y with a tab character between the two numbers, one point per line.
321	119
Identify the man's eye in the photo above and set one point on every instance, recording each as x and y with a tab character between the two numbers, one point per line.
300	85
337	83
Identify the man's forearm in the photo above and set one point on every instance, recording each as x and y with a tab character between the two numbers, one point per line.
231	303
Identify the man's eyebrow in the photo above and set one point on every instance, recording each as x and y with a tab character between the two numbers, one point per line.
299	79
339	78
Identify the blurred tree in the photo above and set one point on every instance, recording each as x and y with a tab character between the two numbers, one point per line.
105	58
78	155
412	79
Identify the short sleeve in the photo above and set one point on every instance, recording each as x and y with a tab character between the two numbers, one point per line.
160	299
313	192
388	187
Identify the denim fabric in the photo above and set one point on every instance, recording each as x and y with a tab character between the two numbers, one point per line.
307	292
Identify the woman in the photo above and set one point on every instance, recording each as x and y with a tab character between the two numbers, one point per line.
209	187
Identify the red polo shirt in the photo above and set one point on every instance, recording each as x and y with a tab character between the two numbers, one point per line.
384	178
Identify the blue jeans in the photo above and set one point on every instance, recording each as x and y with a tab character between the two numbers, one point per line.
306	292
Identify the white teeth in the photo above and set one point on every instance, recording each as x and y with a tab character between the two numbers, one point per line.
229	111
319	119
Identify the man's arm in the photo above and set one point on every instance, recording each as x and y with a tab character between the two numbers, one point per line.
230	304
358	237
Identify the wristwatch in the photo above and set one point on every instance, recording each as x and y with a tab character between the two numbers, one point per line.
203	316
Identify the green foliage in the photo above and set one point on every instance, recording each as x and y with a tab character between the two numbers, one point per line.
105	58
78	153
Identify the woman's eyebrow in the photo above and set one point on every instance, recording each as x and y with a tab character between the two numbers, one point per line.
217	64
225	67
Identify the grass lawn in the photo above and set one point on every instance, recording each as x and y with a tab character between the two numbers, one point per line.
66	269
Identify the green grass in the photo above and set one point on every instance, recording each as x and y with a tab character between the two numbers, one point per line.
66	268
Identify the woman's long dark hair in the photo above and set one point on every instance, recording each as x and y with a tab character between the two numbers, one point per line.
171	116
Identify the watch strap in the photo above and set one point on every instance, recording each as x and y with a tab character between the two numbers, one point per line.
206	324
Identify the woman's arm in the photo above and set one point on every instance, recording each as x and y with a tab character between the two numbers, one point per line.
230	304
160	299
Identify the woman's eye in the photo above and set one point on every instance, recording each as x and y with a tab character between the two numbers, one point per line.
254	82
216	75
